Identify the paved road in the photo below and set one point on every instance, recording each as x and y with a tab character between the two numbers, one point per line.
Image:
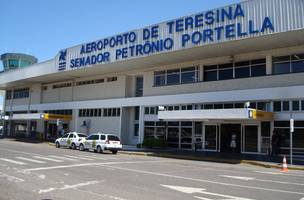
39	171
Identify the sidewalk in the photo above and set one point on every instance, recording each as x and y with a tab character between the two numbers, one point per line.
258	160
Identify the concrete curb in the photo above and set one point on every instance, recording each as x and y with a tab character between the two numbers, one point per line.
210	159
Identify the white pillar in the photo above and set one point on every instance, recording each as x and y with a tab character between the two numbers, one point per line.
74	124
268	65
141	124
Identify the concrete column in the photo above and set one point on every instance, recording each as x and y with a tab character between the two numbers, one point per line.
141	124
74	122
28	128
268	65
10	131
201	75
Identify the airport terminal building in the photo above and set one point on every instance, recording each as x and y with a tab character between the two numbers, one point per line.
235	70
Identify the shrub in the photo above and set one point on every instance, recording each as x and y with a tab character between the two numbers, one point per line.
154	142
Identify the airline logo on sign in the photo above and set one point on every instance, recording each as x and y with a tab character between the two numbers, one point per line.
62	60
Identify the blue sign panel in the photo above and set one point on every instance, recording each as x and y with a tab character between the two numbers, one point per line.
223	24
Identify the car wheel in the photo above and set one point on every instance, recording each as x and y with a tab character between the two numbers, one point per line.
99	150
57	145
73	146
114	151
81	147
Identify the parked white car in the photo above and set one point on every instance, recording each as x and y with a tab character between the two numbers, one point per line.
99	142
71	140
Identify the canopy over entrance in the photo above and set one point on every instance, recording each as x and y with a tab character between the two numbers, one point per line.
40	116
216	114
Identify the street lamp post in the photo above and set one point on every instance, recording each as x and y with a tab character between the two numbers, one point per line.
291	134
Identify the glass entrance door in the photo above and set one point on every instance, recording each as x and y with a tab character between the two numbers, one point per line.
250	139
211	137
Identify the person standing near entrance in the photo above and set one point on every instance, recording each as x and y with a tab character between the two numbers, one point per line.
275	140
233	142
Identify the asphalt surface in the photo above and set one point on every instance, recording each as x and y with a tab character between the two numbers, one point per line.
40	171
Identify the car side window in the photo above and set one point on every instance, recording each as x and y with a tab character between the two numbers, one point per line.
71	135
102	137
90	137
96	137
65	136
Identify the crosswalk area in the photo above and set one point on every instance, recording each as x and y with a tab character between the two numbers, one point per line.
28	160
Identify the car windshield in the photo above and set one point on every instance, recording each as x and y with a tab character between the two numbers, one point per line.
113	138
82	135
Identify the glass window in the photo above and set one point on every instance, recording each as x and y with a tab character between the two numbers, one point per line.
147	111
225	74
186	123
172	138
159	78
13	63
208	106
251	138
285	105
297	57
241	64
258	61
281	59
173	76
218	106
239	105
65	135
173	123
281	123
262	106
188	75
110	112
242	72
137	113
102	137
281	68
160	132
210	75
258	70
295	105
198	128
8	94
253	105
297	66
226	66
114	112
302	105
149	132
228	105
152	110
149	123
265	129
277	106
189	107
139	86
136	130
105	112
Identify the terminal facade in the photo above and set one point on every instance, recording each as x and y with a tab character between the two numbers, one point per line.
208	73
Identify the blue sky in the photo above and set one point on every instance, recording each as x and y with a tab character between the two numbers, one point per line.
42	28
